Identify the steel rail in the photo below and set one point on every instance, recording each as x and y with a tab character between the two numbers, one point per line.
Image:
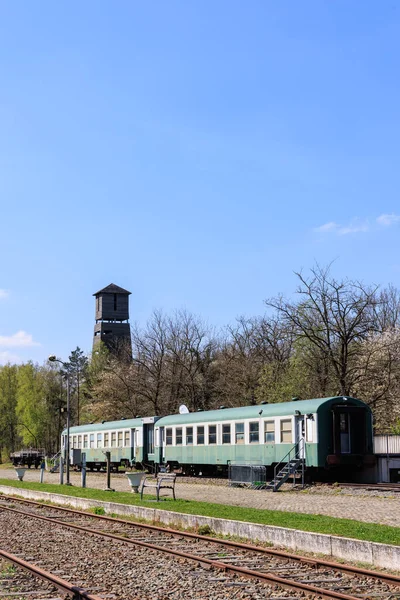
200	560
77	593
311	561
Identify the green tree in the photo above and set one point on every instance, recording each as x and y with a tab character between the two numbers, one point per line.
8	402
78	364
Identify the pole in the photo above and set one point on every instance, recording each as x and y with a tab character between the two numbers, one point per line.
83	474
42	466
68	428
61	463
108	459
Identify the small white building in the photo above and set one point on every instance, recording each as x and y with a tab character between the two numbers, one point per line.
387	451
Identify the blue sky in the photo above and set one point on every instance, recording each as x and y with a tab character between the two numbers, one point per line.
195	153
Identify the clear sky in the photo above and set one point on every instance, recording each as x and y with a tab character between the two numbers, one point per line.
195	153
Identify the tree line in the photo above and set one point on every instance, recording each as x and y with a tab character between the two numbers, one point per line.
333	337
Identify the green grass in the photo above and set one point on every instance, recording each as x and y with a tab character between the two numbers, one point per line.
315	523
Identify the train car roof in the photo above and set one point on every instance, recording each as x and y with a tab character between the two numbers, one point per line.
253	412
105	426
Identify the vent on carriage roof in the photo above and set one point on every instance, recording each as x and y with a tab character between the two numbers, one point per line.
264	402
295	398
222	407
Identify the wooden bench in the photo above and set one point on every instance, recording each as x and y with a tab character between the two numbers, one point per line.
161	482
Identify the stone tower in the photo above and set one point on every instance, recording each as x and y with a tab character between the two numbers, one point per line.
112	320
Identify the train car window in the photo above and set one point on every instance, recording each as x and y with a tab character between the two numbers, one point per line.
254	432
120	438
85	441
106	440
189	436
286	431
91	440
74	442
200	435
178	436
212	434
113	439
168	436
226	434
239	433
150	440
79	441
309	430
127	439
269	429
99	436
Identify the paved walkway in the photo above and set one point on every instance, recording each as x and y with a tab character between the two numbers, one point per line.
359	505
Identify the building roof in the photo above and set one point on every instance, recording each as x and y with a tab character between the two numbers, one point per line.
112	289
278	409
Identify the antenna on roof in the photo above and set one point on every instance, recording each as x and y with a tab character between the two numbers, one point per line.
183	409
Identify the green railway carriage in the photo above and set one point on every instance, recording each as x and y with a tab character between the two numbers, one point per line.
129	441
328	432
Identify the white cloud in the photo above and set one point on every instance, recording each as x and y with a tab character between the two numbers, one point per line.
387	220
21	339
4	294
354	227
331	226
8	357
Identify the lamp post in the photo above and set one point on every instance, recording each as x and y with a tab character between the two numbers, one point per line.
53	358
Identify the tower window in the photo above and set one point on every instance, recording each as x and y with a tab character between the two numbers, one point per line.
115	301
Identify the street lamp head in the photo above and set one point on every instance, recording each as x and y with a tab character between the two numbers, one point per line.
52	358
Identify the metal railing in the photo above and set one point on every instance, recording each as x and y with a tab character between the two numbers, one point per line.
294	454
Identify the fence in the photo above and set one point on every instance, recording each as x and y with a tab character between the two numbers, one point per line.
254	476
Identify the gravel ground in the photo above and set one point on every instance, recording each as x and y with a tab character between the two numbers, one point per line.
115	570
351	503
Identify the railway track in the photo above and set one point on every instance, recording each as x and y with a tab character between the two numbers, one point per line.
302	575
14	583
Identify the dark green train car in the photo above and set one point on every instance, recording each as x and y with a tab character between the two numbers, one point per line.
329	433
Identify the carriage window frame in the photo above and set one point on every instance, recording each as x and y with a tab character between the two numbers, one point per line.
91	440
79	441
286	429
113	439
120	438
168	436
85	440
254	432
226	434
127	439
99	440
269	434
200	436
212	435
179	436
106	440
74	441
189	436
239	433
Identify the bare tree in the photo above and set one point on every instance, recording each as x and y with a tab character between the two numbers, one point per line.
335	317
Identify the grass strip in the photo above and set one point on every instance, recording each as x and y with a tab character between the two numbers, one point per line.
372	532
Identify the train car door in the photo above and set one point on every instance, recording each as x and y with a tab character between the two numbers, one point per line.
161	456
344	425
300	434
133	457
